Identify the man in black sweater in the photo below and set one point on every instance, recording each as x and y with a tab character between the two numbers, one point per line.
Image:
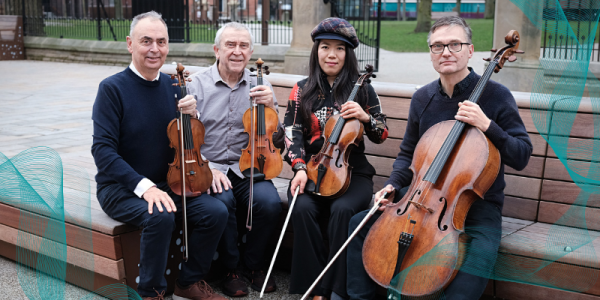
497	116
131	150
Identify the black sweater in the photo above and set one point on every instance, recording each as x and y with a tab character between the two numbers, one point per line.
506	131
130	117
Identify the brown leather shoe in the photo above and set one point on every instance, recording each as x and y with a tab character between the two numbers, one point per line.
233	285
159	296
197	291
257	280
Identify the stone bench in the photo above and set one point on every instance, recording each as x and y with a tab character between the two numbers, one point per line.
536	198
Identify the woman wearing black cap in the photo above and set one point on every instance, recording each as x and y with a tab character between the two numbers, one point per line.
333	71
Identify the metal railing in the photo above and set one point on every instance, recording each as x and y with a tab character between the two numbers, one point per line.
366	19
104	20
557	44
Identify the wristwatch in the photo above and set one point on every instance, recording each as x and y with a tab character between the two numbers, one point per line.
299	166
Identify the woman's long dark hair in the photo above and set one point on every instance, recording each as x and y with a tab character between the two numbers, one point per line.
317	82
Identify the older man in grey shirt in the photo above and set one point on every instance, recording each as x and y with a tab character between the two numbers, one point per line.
222	92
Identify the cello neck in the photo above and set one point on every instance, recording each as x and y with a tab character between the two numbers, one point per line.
442	156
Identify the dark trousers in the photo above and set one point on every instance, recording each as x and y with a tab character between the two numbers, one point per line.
206	222
483	225
265	209
310	255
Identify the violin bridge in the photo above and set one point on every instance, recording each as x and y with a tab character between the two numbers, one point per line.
190	161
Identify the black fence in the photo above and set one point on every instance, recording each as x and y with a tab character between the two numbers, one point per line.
581	16
189	21
365	16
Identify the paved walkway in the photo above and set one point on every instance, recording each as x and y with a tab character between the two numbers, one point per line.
49	104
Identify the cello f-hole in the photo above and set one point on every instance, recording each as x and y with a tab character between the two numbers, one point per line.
442	214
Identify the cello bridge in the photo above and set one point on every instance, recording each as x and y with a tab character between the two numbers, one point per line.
420	206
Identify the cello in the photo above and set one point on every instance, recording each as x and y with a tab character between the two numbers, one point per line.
328	171
421	237
260	160
189	174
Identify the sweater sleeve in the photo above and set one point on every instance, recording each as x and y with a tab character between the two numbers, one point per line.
376	129
106	116
294	128
507	132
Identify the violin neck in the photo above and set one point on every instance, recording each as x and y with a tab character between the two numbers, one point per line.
339	125
442	156
186	125
260	111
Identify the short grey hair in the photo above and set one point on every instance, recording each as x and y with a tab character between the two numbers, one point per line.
151	15
451	21
236	26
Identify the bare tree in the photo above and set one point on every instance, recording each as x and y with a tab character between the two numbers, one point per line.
457	8
490	8
423	16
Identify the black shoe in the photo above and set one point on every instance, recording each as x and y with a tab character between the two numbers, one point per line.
257	280
233	285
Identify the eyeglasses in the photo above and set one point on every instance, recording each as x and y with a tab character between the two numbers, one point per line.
452	47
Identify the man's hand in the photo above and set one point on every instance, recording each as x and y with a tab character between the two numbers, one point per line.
188	105
263	95
155	196
354	110
220	180
471	113
300	179
384	202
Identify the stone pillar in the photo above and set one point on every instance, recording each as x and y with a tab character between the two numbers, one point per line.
518	75
311	13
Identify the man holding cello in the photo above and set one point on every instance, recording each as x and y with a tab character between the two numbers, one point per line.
496	116
131	150
222	92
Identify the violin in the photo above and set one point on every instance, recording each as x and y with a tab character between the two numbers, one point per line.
260	160
328	171
260	157
454	164
189	174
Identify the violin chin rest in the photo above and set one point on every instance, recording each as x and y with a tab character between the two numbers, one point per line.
310	186
258	176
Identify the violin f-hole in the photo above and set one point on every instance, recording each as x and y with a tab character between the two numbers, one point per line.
337	160
268	143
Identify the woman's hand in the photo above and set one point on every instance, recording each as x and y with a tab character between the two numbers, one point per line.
353	110
300	179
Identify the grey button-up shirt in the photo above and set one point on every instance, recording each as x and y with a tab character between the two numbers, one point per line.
221	110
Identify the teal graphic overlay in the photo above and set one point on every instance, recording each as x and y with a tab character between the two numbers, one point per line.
561	81
48	194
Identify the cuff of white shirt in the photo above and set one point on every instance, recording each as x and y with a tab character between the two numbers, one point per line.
144	185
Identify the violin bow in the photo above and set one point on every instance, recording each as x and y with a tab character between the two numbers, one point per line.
181	82
252	138
285	224
354	233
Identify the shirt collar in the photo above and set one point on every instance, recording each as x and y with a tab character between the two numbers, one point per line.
460	87
217	77
132	67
